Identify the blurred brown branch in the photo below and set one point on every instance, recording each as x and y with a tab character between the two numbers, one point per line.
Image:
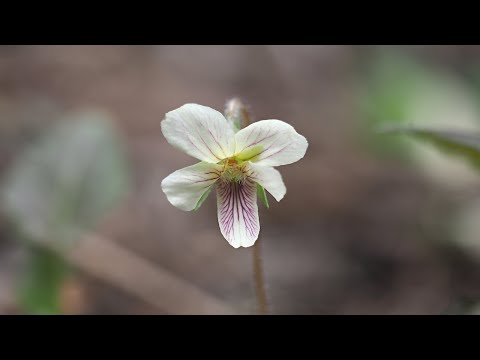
159	287
104	259
6	294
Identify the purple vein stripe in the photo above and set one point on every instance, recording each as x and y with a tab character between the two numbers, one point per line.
237	211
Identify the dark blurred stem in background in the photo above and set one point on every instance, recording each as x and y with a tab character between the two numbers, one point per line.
238	114
259	277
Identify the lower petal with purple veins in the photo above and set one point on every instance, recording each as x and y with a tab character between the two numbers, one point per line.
238	212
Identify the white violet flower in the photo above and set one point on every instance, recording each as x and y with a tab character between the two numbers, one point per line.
233	160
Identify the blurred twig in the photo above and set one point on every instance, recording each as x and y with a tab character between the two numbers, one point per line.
111	263
159	287
260	288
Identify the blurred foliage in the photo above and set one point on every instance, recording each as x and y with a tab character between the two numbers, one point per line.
42	281
68	179
389	83
399	90
60	185
467	146
459	144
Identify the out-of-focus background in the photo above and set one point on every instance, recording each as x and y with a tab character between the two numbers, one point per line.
372	223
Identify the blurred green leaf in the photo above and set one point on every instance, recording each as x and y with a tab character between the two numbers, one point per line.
472	78
262	195
68	179
397	89
388	86
464	145
62	184
42	281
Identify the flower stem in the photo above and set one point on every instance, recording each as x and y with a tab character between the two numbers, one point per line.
236	110
259	279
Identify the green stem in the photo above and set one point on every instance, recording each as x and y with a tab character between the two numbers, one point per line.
40	286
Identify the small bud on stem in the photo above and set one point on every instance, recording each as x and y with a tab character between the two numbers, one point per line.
237	113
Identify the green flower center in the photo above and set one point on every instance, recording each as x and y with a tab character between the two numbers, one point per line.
234	170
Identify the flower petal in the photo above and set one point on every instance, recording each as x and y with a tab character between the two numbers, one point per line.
238	212
270	179
270	143
200	131
185	187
